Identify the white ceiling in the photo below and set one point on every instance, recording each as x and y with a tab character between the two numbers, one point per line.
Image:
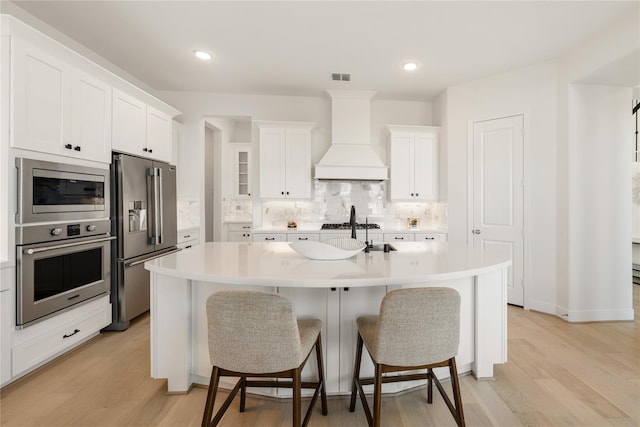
291	48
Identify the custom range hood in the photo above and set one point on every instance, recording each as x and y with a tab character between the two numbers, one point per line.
351	157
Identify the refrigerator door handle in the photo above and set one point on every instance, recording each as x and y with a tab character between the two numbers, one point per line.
133	264
155	237
161	207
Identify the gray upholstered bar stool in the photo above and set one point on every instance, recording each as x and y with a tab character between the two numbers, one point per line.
256	334
416	329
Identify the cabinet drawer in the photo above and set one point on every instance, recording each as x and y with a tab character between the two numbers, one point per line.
240	227
398	237
270	237
294	237
43	347
188	235
431	237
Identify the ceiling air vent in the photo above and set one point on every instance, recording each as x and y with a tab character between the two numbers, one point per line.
341	77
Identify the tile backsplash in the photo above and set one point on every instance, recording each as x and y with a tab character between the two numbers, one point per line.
331	203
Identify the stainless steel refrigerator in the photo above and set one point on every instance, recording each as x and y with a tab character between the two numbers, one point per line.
143	213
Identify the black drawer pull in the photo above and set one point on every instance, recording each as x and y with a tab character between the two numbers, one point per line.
73	297
399	238
303	238
269	238
71	334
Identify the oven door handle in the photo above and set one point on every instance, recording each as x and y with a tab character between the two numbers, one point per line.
132	264
67	245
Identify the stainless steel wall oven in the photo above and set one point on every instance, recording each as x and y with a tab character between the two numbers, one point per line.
63	238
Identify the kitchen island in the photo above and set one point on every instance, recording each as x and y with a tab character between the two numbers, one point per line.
337	292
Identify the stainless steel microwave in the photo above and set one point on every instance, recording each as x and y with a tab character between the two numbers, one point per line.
49	191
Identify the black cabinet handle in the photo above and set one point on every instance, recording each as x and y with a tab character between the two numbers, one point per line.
77	148
71	334
303	238
145	149
150	150
287	193
399	238
68	146
411	194
333	289
282	192
269	238
417	194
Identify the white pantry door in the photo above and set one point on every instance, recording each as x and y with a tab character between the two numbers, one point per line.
498	194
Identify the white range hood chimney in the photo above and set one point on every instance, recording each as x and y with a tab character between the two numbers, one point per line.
350	156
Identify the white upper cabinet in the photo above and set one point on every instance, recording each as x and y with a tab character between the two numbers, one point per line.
140	129
129	124
285	160
90	117
159	135
242	170
58	109
414	162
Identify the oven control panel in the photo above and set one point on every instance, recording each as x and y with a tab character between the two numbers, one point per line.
28	234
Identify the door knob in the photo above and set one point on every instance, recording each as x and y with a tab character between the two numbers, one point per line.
476	231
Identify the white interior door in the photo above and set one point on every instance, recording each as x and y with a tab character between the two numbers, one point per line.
498	194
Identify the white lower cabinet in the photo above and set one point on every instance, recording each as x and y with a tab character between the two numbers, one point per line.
37	344
338	308
397	237
431	237
240	232
7	316
269	237
294	237
188	237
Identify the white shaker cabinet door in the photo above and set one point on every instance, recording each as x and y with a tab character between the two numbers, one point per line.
90	118
40	84
129	124
158	135
425	167
401	180
272	163
298	164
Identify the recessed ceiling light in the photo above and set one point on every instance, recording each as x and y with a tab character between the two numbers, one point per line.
409	66
201	54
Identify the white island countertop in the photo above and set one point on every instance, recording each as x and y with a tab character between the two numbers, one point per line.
337	292
276	264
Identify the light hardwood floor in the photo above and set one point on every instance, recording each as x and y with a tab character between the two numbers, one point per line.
558	374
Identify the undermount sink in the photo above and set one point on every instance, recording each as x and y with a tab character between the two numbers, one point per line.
380	247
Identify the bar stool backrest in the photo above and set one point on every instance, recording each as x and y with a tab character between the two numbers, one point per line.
253	332
418	326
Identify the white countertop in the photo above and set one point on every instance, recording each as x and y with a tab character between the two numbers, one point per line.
276	264
316	228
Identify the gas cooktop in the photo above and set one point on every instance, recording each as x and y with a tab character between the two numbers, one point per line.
347	226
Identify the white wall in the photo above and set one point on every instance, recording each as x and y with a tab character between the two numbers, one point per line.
566	272
614	43
600	133
530	91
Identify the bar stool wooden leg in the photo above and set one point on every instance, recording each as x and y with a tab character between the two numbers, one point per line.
297	398
455	384
243	393
356	373
211	397
323	390
377	396
430	386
